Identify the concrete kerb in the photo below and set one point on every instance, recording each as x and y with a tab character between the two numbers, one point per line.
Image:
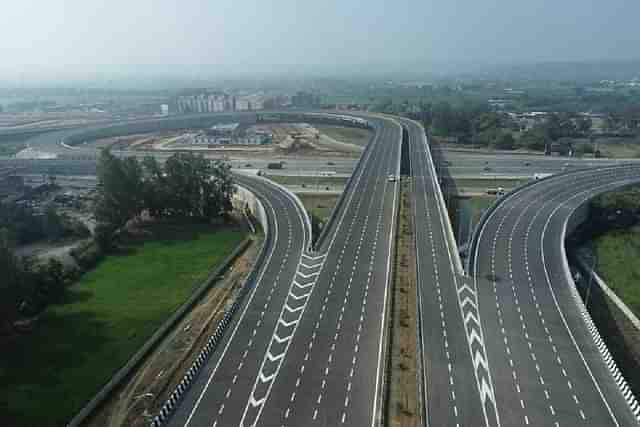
621	382
624	309
169	406
155	339
586	317
444	211
487	214
443	206
395	224
299	205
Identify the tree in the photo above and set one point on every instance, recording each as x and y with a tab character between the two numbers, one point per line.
559	125
53	226
197	187
534	139
120	185
9	285
584	124
155	192
505	141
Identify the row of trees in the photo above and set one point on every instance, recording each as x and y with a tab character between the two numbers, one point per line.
188	186
475	124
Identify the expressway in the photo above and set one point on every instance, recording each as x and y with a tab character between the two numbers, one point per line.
547	368
456	387
309	346
507	345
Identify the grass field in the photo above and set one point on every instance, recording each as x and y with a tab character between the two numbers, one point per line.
484	184
319	205
618	253
346	134
309	181
479	205
47	375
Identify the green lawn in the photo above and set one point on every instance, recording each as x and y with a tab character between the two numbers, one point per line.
47	375
618	255
486	183
319	205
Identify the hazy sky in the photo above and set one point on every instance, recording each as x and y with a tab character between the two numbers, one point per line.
72	37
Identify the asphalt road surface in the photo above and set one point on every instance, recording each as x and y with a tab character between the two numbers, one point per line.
547	369
220	392
334	370
313	353
505	347
452	384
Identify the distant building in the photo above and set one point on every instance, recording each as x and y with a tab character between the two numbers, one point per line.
164	109
205	103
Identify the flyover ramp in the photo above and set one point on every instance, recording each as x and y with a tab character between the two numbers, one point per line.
548	368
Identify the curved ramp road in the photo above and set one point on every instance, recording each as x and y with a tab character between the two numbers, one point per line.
546	366
224	383
308	347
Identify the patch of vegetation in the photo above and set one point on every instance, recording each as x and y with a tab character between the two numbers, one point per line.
188	186
11	149
479	205
26	225
319	205
350	135
485	183
309	181
618	253
74	348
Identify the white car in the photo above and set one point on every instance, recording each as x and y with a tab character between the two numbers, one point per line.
392	178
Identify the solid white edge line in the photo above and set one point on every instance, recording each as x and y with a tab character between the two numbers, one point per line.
386	288
247	305
548	280
360	175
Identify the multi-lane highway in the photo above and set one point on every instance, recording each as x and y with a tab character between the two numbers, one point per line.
547	366
507	345
456	385
311	348
334	371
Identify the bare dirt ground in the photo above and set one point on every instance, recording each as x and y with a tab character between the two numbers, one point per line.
137	401
289	139
402	369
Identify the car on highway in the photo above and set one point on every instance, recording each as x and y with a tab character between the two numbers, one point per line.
392	178
527	163
487	169
331	163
